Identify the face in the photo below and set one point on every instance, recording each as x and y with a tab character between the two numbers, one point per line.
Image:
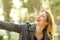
41	18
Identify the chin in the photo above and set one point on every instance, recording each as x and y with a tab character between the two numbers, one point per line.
36	22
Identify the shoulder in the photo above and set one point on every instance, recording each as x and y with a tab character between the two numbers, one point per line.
26	25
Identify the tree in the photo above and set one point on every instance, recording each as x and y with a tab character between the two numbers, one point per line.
7	4
55	7
32	6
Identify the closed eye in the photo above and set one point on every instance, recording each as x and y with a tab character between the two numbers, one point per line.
42	16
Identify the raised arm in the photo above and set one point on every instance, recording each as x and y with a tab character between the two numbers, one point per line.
11	26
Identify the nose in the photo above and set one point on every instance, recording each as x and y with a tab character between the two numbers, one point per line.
37	18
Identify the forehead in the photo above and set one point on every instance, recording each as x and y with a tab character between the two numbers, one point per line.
43	13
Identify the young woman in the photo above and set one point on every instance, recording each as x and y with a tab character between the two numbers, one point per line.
41	29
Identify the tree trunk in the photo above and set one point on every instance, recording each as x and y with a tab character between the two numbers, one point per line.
6	9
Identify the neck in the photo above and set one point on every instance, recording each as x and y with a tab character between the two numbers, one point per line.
38	31
40	27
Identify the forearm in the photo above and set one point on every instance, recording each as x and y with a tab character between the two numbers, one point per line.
9	26
3	25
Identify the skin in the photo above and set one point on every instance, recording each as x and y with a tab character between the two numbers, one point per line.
40	24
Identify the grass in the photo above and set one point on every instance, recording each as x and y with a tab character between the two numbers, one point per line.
5	37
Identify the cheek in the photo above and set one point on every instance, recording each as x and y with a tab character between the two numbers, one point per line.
43	19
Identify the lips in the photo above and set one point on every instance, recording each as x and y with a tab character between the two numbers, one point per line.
38	18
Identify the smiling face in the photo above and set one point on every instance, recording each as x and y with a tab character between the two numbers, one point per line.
45	20
41	18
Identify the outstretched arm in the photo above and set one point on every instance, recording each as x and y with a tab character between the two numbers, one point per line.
11	26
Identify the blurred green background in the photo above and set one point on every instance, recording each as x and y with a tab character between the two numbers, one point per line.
18	11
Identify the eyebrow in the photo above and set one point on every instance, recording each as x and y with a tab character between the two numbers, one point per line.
43	15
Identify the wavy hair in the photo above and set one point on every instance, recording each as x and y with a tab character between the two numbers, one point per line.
50	27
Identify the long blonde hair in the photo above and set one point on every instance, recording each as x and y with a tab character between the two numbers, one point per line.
50	26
